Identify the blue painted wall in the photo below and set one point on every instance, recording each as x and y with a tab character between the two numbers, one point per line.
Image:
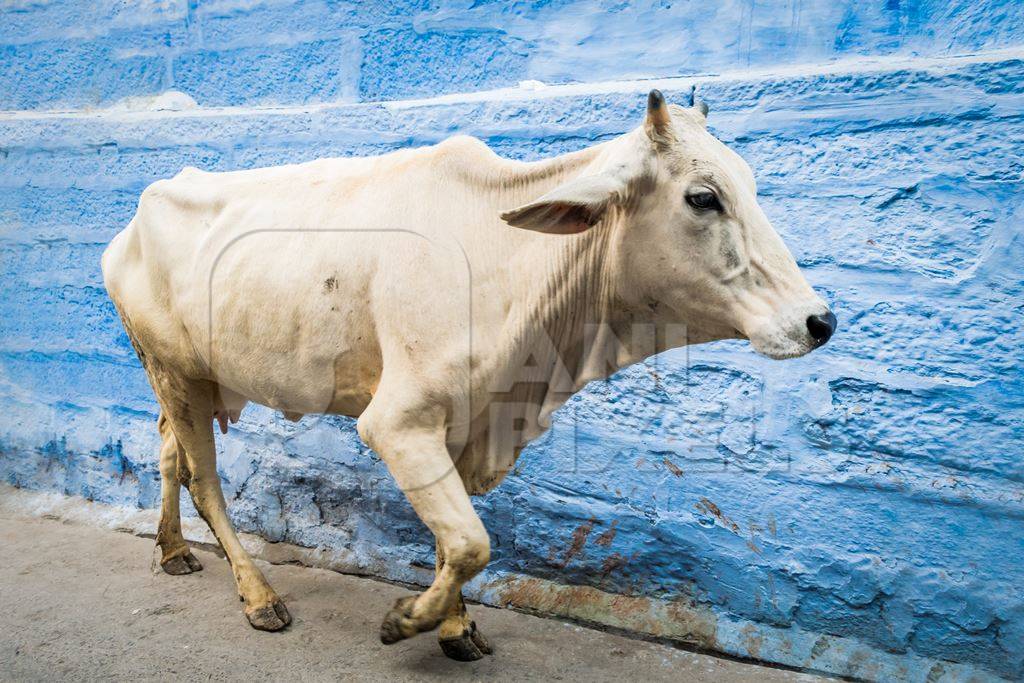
874	490
82	53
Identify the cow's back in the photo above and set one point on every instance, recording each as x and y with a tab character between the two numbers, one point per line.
255	280
266	280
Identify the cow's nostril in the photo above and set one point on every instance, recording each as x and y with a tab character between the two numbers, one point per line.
821	327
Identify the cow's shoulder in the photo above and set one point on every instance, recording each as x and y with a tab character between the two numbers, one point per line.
464	145
465	149
466	158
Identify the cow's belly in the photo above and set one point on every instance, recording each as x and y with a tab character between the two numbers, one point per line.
285	321
339	381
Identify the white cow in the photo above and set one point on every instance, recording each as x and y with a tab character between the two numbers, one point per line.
448	298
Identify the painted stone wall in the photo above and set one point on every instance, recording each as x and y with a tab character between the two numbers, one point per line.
88	53
871	493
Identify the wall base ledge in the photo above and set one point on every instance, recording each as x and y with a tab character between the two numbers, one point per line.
679	622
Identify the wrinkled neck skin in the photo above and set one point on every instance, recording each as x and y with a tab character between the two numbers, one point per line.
582	321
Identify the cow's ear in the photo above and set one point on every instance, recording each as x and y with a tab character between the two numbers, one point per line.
569	208
658	122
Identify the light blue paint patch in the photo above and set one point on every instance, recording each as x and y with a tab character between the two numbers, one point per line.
57	55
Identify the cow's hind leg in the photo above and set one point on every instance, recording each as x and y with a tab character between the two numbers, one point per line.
458	635
188	405
175	555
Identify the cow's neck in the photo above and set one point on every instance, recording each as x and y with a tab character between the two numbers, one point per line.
569	324
592	334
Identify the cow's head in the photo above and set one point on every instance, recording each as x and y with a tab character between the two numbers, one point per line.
690	243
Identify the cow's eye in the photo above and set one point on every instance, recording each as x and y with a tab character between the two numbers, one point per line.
703	200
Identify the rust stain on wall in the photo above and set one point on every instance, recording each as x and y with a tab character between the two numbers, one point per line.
707	506
752	641
579	539
605	538
613	562
679	620
672	467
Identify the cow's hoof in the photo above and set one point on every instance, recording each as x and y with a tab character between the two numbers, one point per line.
461	649
398	624
272	617
468	647
482	643
182	564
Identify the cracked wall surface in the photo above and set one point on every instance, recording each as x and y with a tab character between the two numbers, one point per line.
873	491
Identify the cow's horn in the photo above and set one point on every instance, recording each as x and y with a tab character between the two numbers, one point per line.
658	121
655	100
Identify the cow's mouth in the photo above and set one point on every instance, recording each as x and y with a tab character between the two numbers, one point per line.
791	341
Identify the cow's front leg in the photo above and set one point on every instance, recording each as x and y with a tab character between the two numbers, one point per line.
458	635
419	461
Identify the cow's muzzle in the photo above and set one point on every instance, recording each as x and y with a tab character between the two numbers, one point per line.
821	327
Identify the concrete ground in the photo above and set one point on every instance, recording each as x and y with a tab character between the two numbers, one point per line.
80	603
